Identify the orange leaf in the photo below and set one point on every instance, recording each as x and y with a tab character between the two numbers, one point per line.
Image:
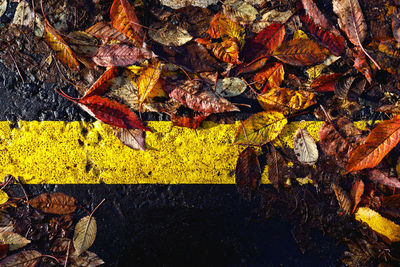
227	51
124	19
213	30
382	139
301	52
192	122
356	192
273	73
103	30
147	81
63	51
102	84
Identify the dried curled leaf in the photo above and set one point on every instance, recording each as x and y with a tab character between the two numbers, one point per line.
305	147
342	198
229	87
286	100
171	35
13	240
54	203
120	55
85	234
63	51
378	223
382	139
260	128
248	171
195	95
26	258
300	52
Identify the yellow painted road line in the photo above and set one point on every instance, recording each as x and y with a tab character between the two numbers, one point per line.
57	152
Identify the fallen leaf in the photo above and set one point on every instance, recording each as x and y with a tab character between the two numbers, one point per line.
277	166
13	240
325	83
227	51
23	15
54	203
133	138
357	191
228	29
82	43
3	7
395	25
148	80
176	4
342	198
383	178
3	248
102	83
315	71
300	52
361	64
239	11
254	66
270	17
378	143
86	259
229	87
60	47
171	35
195	95
60	245
342	86
260	128
124	19
26	258
378	223
103	30
120	55
3	197
387	55
192	122
248	171
272	74
305	147
84	235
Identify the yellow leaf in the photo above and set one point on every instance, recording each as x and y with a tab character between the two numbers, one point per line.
231	30
147	81
3	197
286	100
299	34
379	224
227	51
260	128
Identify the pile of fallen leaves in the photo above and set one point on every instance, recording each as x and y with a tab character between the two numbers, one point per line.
31	227
278	60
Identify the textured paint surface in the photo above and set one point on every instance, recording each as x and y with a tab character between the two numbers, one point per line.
57	152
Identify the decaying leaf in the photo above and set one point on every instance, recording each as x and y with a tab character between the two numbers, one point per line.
342	198
25	258
229	87
271	75
342	86
270	17
239	11
23	15
248	171
86	259
277	167
54	203
133	138
396	25
3	7
82	43
171	35
305	147
60	245
3	197
120	55
378	143
315	71
378	223
104	30
227	51
356	192
176	4
195	95
300	52
387	55
85	234
286	100
260	128
13	240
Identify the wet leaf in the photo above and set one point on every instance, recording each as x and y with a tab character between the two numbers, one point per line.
300	52
195	95
86	259
133	138
227	29
82	43
103	30
84	235
120	55
342	86
265	42
342	198
102	83
229	87
13	240
54	203
325	83
272	73
124	19
171	35
383	178
357	191
277	167
253	66
227	51
260	128
286	100
387	55
396	25
60	47
248	171
176	4
239	11
3	197
378	223
305	147
26	258
3	7
192	122
148	80
23	15
378	143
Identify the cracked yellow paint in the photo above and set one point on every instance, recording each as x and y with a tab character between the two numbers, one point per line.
57	152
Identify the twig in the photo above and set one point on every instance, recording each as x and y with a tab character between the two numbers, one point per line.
67	256
16	65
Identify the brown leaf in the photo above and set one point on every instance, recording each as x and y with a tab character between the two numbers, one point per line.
170	35
387	55
383	178
272	73
84	235
124	19
342	198
342	86
120	55
103	30
86	259
196	95
277	167
3	247
63	51
357	191
239	11
192	122
248	171
396	25
361	64
60	245
133	138
54	203
382	139
301	52
26	258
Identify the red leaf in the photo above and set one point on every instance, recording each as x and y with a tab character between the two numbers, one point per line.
325	83
356	192
248	171
102	84
192	122
120	55
265	42
252	66
382	178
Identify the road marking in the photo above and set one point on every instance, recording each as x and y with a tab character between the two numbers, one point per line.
57	152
